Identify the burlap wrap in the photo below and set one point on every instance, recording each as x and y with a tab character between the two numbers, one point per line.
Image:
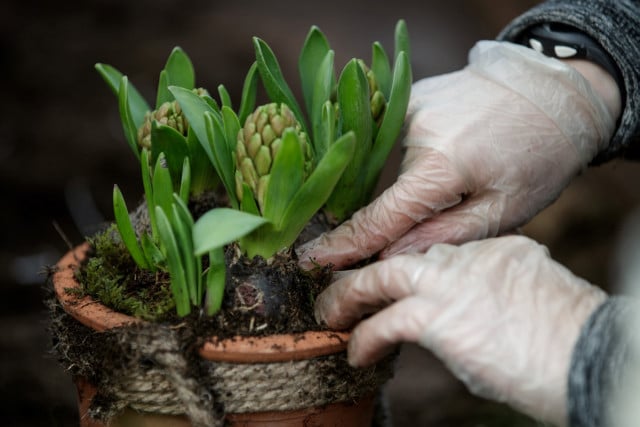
155	368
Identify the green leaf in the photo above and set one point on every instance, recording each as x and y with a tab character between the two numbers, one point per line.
249	93
185	181
185	216
327	132
231	127
222	226
287	174
203	174
128	124
312	56
183	210
110	75
177	272
145	169
199	278
270	238
183	233
265	241
273	80
194	107
391	123
162	186
381	68
137	104
127	233
248	203
151	251
163	95
225	98
321	95
222	157
353	98
167	140
215	281
211	102
318	187
180	70
402	43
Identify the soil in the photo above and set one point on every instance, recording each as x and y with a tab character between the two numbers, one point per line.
264	298
261	297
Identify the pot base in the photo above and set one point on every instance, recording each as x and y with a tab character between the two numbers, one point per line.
343	414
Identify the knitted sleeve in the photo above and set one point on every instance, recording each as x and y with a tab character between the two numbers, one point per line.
615	24
603	380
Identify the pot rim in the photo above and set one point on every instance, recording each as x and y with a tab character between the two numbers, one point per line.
238	349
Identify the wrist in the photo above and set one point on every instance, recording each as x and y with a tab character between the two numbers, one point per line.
602	82
557	89
577	49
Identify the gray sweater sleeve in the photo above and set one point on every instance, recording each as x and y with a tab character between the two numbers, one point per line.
601	365
615	24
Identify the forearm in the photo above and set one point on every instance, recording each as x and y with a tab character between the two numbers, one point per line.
604	366
615	25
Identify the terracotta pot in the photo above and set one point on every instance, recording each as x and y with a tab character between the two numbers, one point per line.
238	350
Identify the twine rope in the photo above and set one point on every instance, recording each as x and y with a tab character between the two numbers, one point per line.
153	375
260	387
170	388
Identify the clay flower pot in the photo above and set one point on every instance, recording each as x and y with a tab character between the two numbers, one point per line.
292	373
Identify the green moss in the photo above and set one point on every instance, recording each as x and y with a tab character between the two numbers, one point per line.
111	276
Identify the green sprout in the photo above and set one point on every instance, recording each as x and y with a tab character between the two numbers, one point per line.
181	242
174	244
145	252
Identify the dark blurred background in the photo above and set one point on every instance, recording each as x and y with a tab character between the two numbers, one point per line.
62	149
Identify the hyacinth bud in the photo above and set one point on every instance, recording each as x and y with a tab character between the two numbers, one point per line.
258	143
376	97
169	114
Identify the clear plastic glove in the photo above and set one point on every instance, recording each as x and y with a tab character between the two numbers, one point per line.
501	314
488	148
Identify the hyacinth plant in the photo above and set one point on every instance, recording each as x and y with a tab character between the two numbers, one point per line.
285	166
278	166
174	169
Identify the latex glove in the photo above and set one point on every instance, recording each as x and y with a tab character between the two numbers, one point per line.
501	314
488	148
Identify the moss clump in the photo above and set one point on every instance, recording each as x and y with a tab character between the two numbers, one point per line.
111	276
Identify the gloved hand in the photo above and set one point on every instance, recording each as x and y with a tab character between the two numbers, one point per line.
488	148
501	314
